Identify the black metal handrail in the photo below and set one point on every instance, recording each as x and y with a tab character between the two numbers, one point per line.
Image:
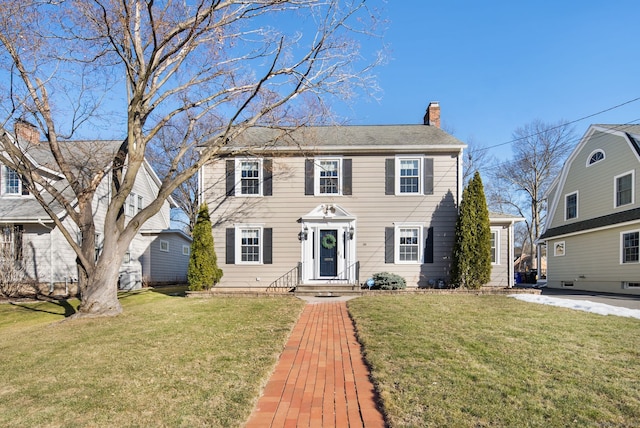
350	279
288	281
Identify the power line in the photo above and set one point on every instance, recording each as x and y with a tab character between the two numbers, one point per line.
561	125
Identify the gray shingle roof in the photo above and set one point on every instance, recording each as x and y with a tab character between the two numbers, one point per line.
345	138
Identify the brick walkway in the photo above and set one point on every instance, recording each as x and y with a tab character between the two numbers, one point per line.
321	379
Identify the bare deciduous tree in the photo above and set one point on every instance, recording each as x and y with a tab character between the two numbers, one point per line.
519	185
78	65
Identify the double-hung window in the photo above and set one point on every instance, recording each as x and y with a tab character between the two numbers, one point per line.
11	180
630	247
571	206
409	176
328	176
495	246
249	171
624	189
408	244
249	244
250	177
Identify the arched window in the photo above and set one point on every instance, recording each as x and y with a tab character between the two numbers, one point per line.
595	157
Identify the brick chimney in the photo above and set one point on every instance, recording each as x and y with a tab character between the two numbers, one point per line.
432	117
26	132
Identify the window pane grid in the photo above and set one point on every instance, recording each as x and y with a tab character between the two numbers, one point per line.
631	247
12	182
572	206
409	248
409	176
494	247
624	190
250	178
250	245
328	177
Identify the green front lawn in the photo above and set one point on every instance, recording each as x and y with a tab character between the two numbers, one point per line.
167	361
469	361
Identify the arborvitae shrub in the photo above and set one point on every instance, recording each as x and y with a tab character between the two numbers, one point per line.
203	271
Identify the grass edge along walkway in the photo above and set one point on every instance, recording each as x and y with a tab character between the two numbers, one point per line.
321	379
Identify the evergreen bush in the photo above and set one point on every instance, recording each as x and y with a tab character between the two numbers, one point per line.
388	281
203	271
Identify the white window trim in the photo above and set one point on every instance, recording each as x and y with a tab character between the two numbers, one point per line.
316	175
397	177
604	156
497	242
577	205
633	189
396	244
186	250
162	242
140	203
131	204
628	284
238	243
3	183
622	262
557	246
238	178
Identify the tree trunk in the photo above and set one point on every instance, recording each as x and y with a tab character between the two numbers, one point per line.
100	298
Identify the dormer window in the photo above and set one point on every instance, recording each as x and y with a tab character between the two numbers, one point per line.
595	157
11	183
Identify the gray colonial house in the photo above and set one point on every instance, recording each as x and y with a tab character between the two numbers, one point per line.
330	206
593	233
158	254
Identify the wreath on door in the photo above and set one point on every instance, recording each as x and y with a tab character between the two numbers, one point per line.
328	241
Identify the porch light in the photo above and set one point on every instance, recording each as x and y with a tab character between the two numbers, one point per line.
304	234
351	232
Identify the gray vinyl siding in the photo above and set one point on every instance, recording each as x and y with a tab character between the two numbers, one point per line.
595	184
501	271
161	266
368	203
592	262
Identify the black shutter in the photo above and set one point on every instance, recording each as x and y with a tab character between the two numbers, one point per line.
267	245
308	176
428	176
389	176
428	245
231	177
267	173
25	191
346	177
231	246
389	243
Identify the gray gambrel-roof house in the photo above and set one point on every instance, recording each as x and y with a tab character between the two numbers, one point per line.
330	206
593	230
158	254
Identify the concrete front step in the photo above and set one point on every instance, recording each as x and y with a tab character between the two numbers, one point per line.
327	290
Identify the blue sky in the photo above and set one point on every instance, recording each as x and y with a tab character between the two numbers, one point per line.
497	65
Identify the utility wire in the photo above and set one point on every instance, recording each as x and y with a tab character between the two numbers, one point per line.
560	126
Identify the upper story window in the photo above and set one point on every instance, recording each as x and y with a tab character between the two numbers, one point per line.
164	246
571	206
595	157
624	189
11	183
140	203
249	177
131	204
327	176
409	175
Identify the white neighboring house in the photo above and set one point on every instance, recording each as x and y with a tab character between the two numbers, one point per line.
158	254
593	230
